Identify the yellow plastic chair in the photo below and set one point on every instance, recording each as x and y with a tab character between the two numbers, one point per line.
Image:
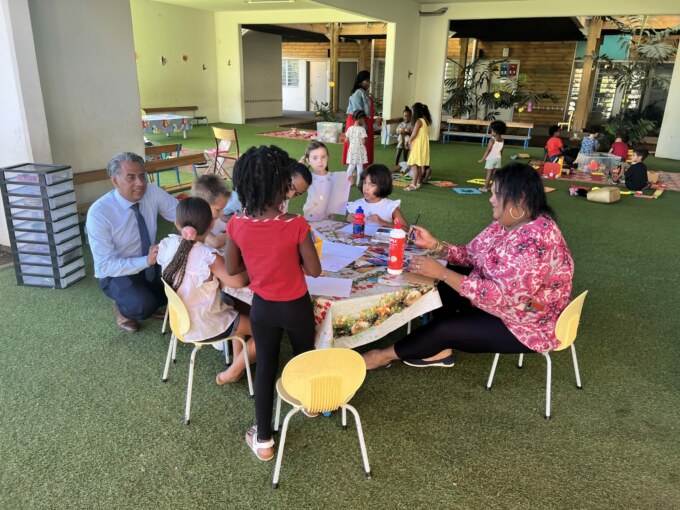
566	126
179	325
226	147
320	381
565	331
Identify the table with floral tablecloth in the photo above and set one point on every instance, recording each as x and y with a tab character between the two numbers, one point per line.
166	124
374	308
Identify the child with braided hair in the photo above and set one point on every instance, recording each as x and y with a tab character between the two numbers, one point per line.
277	250
196	273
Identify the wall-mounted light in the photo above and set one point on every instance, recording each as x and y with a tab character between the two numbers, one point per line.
506	52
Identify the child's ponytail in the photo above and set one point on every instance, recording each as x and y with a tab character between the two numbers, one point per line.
194	216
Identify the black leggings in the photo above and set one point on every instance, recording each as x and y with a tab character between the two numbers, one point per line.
459	325
268	320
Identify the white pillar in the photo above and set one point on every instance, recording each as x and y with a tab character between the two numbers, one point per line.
669	139
23	129
230	88
434	33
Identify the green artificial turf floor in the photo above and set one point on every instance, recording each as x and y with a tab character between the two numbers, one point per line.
86	422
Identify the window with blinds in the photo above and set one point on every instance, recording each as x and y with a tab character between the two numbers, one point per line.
607	100
290	73
378	78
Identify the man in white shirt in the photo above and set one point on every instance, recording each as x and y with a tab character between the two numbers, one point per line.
121	228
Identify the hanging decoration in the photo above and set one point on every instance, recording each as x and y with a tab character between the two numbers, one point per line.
185	57
164	60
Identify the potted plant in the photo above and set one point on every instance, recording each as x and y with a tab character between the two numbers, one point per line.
469	92
329	128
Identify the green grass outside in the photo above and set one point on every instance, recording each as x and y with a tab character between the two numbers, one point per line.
87	423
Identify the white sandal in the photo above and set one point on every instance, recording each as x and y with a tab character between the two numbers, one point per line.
255	445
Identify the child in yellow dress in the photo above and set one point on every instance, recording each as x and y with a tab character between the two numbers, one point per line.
419	144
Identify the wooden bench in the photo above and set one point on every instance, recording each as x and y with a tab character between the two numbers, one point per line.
651	142
451	131
385	133
195	160
175	109
155	152
524	138
158	165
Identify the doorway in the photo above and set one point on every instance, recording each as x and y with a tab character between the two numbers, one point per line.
318	82
347	72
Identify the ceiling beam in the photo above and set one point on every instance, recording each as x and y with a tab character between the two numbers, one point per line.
345	29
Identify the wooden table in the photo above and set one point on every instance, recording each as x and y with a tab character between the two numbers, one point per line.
373	309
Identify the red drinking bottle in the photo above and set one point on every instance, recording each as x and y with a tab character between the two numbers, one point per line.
359	223
395	262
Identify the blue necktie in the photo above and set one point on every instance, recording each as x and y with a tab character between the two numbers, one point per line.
149	272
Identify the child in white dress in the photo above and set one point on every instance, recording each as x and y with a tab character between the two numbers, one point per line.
315	208
196	272
376	185
493	153
357	156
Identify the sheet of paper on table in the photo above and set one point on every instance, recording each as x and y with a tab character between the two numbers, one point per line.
369	229
337	202
328	286
335	256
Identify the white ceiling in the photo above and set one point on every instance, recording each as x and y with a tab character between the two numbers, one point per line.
241	5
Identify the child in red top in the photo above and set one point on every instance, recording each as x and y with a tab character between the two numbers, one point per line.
554	147
620	147
275	247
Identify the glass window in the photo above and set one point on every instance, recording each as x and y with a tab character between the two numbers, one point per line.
290	73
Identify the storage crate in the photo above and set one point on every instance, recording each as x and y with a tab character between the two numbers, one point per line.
41	215
603	163
48	260
45	226
42	219
46	249
57	283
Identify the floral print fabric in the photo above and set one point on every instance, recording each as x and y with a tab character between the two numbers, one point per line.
512	268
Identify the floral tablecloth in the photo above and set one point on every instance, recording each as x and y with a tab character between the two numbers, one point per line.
378	304
165	124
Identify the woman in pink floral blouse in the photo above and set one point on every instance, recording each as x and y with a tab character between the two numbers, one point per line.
503	291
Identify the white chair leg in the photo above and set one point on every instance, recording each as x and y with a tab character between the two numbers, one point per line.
344	418
360	433
282	443
244	350
171	346
174	349
548	381
493	371
576	370
165	320
408	328
521	361
277	415
192	363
